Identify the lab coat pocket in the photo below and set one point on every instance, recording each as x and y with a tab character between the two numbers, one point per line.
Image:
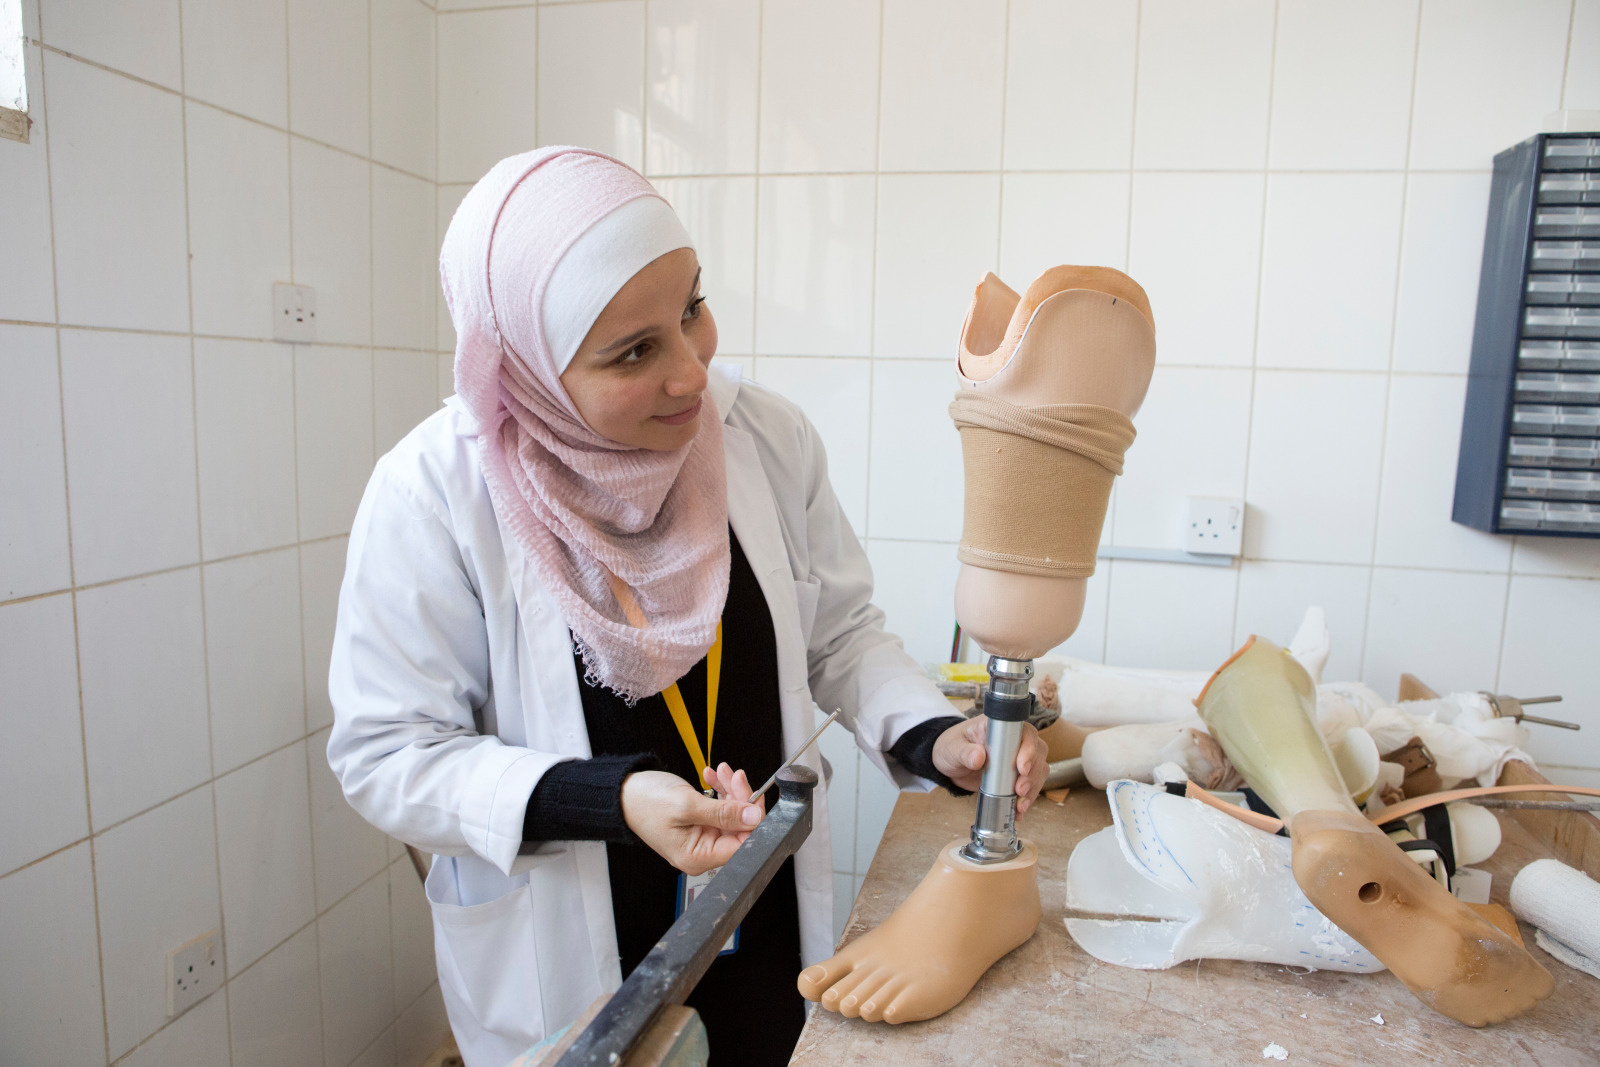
488	954
807	592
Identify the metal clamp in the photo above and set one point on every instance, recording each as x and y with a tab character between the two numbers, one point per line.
1008	705
680	959
1509	707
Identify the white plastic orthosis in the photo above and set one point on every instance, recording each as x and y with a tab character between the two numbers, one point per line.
1187	882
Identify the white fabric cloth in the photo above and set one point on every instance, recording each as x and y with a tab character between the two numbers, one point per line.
1564	904
454	690
599	264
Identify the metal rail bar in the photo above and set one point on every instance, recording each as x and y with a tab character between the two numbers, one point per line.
680	959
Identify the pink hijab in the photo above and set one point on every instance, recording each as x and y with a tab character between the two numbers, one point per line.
581	507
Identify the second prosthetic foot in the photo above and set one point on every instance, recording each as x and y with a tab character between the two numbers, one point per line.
1259	706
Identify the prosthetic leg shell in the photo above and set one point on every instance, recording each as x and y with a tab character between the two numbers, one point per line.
1195	884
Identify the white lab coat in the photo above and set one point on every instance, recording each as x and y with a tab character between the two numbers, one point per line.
454	690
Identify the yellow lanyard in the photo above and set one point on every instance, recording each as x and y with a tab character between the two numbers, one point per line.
680	713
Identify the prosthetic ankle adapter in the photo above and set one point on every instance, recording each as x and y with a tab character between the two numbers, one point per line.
1052	379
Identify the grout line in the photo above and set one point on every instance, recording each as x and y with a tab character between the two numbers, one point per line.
1000	183
1566	59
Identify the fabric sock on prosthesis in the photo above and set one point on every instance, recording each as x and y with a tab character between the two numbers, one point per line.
1259	706
1051	380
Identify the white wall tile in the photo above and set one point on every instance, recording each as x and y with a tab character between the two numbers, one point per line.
141	39
321	571
720	214
1328	269
348	849
1204	74
819	85
27	270
50	1008
142	663
404	58
1582	88
943	82
593	97
1050	219
876	801
1487	72
1273	598
275	1012
236	55
253	656
411	919
843	900
33	525
357	984
421	1029
244	400
329	72
1341	84
1549	648
1193	432
1441	255
1562	556
116	183
405	264
1419	480
1315	448
701	81
916	452
1088	641
814	266
41	763
838	747
1169	615
238	221
1195	246
383	1049
1069	84
1442	626
404	392
130	440
930	258
200	1035
914	582
264	849
156	878
332	231
835	395
333	432
488	89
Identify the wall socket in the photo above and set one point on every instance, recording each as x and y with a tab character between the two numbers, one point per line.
294	313
1215	526
194	972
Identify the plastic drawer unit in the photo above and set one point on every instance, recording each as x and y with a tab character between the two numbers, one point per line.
1530	436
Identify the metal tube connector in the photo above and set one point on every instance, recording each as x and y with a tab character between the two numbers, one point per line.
1007	703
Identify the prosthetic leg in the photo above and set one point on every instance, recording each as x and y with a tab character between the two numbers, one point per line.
1259	707
1050	383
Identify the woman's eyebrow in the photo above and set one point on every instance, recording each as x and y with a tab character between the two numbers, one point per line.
638	335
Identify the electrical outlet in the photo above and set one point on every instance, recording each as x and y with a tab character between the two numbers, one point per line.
194	972
1215	526
294	313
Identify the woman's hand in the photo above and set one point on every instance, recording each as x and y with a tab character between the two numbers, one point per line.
685	827
959	754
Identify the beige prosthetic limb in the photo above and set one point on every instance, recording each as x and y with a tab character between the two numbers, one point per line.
1051	380
1259	707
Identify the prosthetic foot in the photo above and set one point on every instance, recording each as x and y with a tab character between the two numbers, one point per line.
927	955
1259	707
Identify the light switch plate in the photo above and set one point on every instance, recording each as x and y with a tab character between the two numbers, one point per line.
1215	526
294	313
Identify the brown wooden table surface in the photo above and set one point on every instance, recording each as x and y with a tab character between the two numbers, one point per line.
1049	1002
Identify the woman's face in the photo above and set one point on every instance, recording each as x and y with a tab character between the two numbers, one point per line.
639	376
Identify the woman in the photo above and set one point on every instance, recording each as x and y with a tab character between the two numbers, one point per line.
551	585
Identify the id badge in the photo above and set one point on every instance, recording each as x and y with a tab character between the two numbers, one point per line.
689	887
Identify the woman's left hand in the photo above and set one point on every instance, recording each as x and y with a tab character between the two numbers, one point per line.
959	754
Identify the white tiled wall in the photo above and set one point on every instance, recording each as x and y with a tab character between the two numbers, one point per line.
1300	186
177	493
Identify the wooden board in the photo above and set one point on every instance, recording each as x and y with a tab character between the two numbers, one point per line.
1049	1002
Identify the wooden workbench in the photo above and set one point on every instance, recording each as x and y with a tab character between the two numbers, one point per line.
1049	1002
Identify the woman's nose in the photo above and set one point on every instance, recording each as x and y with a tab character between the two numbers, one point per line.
688	375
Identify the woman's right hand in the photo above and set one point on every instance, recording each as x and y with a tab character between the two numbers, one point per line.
685	827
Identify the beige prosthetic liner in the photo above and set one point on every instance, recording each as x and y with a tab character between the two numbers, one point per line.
1051	382
1259	706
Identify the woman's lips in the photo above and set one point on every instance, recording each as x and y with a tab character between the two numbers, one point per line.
683	416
